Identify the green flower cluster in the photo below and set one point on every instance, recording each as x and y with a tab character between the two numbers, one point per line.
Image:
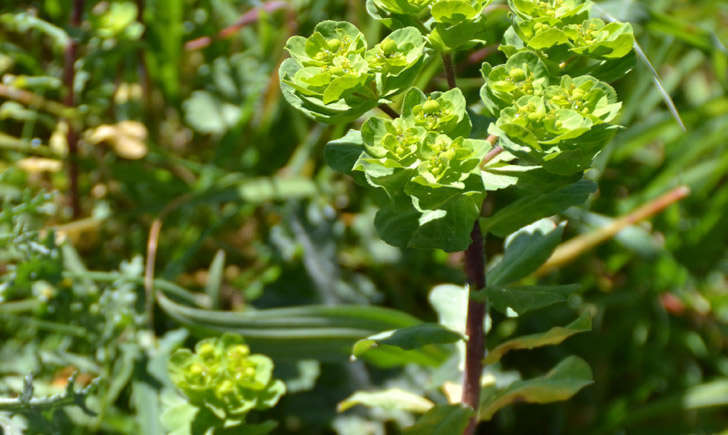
558	122
450	24
428	168
224	377
543	120
523	74
426	146
547	24
442	11
333	77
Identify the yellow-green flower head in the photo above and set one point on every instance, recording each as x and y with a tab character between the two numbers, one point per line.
446	161
457	11
598	39
399	51
395	142
330	40
523	74
591	98
222	374
439	112
403	7
552	10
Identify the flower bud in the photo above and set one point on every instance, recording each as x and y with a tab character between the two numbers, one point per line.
388	46
333	44
517	74
431	106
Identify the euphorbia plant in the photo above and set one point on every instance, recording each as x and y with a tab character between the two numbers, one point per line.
551	112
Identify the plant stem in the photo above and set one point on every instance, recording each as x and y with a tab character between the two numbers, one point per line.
475	346
72	137
449	69
475	271
389	111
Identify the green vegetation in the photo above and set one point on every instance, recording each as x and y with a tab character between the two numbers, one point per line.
258	217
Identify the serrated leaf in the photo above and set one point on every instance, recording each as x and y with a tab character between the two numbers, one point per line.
560	383
527	298
553	336
526	250
533	207
442	419
393	398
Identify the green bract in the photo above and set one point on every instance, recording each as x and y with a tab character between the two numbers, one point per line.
553	10
333	78
457	11
224	377
546	25
330	39
448	162
597	39
586	95
533	123
403	7
523	74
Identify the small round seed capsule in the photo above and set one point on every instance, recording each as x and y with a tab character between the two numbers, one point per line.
389	46
333	44
431	106
517	74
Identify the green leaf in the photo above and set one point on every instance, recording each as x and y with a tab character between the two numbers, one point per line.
447	228
207	114
560	383
393	398
24	22
412	337
528	298
341	154
311	104
525	251
178	413
326	333
442	419
449	37
553	336
533	207
214	278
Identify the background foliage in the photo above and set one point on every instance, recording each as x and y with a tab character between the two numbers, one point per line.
193	133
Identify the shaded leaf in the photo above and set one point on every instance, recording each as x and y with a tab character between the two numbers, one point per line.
551	337
527	298
533	207
393	398
412	337
442	419
526	250
560	383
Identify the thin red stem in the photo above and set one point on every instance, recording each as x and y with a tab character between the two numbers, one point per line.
72	136
475	271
